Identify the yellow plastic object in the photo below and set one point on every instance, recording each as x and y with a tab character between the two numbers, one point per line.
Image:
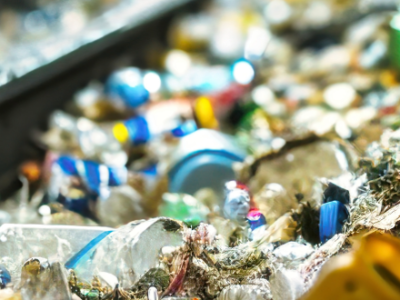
370	273
205	113
8	294
120	132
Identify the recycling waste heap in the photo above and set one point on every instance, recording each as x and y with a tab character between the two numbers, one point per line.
259	158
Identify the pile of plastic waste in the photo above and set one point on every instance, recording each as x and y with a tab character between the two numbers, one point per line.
256	159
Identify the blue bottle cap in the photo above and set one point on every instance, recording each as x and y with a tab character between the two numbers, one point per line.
204	159
5	277
138	129
256	219
184	129
133	96
333	215
127	85
68	165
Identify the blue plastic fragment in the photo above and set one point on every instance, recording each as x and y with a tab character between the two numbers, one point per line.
333	215
133	96
68	165
92	175
126	84
117	176
5	277
78	205
86	252
150	170
184	129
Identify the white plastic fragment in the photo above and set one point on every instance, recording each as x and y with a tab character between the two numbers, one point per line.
132	250
293	251
152	293
286	285
244	292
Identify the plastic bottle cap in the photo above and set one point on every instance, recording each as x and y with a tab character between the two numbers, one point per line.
203	169
205	113
256	219
120	132
127	85
204	158
138	130
134	96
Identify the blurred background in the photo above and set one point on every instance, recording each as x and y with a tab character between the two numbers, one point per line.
52	49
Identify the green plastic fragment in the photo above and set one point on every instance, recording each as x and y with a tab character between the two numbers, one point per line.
184	208
93	295
394	42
